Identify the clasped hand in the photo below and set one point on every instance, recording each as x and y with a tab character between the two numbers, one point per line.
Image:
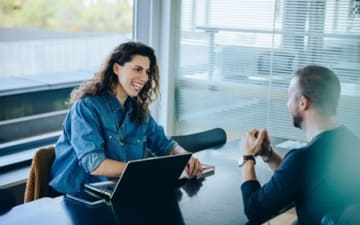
255	142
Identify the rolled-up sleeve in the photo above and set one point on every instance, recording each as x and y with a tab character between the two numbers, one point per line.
86	136
158	142
91	161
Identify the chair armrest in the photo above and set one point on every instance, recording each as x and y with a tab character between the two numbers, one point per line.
201	140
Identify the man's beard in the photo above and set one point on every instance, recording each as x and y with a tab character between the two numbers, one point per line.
297	120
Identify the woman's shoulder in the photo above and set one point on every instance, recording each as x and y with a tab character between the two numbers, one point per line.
92	99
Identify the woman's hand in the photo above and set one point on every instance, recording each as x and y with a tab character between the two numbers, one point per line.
193	167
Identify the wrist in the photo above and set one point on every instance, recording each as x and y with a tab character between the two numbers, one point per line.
247	159
178	150
268	154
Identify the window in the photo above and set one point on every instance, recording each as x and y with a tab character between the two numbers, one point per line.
237	58
47	49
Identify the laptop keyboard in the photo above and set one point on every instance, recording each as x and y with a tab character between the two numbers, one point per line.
108	187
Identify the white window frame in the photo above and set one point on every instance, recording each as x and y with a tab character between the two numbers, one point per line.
157	23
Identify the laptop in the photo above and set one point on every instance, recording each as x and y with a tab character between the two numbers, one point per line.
143	177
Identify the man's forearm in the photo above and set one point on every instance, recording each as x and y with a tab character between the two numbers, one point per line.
272	158
248	171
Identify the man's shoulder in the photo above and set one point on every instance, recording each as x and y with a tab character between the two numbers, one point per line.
339	137
349	134
296	156
297	152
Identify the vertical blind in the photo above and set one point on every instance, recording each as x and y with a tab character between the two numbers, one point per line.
237	58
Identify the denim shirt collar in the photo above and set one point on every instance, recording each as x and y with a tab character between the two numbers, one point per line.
115	105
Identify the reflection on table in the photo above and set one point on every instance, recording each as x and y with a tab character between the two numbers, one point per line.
213	200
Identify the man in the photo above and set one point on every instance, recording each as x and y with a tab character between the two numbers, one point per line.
317	178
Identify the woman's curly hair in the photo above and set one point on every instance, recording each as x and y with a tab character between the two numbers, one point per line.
105	79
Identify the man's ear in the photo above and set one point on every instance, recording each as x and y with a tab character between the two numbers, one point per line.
117	68
304	103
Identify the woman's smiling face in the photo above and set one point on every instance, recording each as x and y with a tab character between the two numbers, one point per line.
132	76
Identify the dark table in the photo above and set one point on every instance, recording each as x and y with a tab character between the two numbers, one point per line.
216	200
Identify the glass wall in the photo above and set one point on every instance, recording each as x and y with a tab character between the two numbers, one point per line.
237	58
42	37
46	49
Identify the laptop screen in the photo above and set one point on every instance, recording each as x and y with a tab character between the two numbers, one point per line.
147	176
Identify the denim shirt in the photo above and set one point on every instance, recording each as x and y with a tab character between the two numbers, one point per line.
98	127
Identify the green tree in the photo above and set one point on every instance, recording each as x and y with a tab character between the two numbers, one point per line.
69	15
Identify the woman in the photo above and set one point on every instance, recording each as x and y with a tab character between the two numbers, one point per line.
109	122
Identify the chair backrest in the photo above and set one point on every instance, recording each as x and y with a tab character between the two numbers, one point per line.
201	140
37	183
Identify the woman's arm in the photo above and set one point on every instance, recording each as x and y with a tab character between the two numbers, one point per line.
109	168
88	141
193	168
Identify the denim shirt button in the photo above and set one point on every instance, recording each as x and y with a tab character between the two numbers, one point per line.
110	137
138	141
122	143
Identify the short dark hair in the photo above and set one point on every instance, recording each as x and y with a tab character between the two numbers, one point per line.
321	86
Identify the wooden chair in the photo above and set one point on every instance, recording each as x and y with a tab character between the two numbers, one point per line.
37	183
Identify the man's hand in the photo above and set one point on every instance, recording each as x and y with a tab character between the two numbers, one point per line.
193	168
266	145
252	142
